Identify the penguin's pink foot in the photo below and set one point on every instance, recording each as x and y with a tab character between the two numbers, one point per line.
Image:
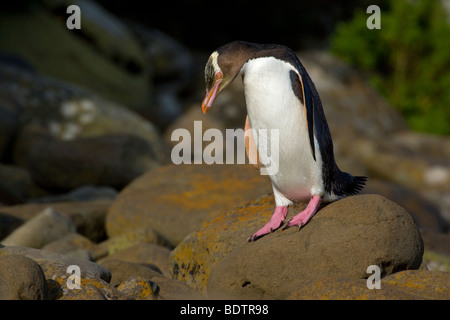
303	217
275	222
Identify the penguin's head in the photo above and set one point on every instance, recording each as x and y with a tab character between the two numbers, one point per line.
222	67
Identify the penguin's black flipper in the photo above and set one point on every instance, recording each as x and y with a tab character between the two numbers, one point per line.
303	93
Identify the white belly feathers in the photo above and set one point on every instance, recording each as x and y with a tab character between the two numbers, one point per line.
272	105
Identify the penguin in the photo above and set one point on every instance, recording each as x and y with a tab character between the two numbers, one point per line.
280	96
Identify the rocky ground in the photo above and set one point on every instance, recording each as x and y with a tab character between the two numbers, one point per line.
92	207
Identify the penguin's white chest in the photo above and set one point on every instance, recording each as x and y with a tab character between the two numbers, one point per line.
279	125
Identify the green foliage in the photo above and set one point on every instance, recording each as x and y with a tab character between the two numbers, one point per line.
408	59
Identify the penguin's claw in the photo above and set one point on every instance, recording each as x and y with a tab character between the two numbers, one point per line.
262	232
275	222
296	222
304	216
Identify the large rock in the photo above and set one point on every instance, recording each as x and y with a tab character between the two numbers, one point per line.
177	200
342	240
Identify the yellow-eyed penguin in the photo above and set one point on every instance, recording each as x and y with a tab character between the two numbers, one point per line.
281	96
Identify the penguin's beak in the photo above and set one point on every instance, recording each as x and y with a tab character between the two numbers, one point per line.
212	94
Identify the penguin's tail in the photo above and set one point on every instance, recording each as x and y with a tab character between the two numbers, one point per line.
349	185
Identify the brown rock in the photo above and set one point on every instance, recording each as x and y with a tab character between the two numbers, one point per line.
177	200
360	231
